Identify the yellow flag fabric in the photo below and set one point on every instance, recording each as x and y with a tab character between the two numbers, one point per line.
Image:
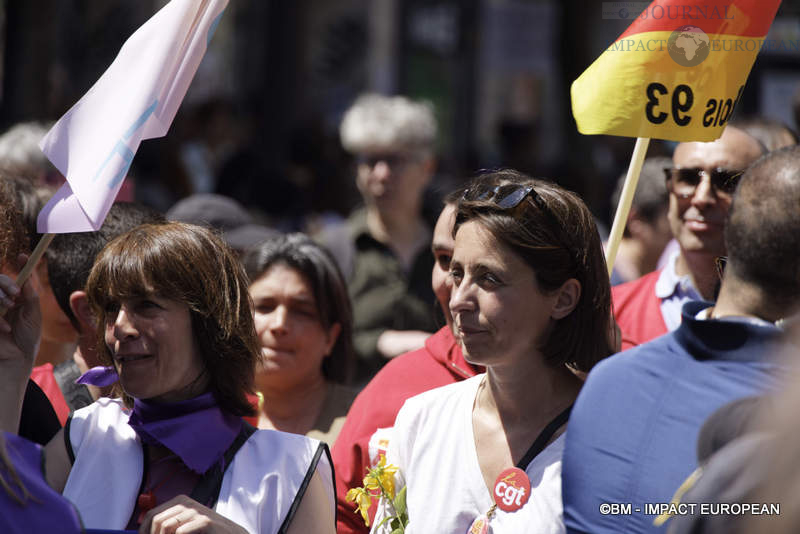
676	73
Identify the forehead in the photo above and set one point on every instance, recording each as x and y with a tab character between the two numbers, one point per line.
280	279
443	231
475	245
735	150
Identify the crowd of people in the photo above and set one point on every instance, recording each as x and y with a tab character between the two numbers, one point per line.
196	371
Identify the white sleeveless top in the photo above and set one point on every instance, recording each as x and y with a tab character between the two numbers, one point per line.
434	447
258	487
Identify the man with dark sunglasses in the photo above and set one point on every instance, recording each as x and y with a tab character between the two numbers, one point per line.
700	184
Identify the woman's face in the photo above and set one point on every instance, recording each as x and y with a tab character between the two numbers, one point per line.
154	349
293	341
500	316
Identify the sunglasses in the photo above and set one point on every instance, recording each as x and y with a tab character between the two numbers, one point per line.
509	196
506	196
394	160
683	182
720	262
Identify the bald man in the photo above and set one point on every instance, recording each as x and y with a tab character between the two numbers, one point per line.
633	431
700	184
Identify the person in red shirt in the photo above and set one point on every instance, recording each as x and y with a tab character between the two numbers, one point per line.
365	435
700	184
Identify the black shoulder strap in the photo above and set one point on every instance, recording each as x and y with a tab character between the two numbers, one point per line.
544	437
312	468
206	491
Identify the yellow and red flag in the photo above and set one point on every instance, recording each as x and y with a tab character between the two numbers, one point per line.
676	73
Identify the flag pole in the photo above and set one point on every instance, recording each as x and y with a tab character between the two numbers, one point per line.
37	253
625	200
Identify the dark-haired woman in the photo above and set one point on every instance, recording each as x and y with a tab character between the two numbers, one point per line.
531	303
173	454
304	325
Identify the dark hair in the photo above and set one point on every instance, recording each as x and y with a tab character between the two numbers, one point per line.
70	256
762	233
299	252
13	237
192	265
559	243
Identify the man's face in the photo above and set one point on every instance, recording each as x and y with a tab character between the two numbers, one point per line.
442	247
393	179
697	222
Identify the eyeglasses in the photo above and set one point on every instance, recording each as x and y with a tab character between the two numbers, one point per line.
720	262
394	160
684	182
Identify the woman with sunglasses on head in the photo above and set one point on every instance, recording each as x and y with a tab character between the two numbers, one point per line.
531	303
173	454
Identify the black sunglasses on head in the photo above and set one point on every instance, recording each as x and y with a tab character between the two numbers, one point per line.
509	196
684	181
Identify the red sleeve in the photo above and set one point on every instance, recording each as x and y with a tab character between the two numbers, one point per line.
46	380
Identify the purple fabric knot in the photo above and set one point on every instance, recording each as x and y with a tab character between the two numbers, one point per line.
197	429
99	376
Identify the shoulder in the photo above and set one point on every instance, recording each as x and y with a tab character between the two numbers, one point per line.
436	404
103	417
647	362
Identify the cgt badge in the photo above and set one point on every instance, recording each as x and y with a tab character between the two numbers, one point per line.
512	489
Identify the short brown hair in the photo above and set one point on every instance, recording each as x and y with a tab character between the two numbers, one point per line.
558	243
192	265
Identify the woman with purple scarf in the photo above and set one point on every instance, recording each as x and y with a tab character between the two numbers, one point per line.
172	453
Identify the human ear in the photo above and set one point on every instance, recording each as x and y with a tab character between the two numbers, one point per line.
333	335
568	296
79	304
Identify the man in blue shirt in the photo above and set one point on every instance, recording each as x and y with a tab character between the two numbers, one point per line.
632	435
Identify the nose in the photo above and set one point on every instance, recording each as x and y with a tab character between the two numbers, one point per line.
279	321
124	327
461	298
704	194
382	170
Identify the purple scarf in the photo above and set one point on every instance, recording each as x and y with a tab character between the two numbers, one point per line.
197	430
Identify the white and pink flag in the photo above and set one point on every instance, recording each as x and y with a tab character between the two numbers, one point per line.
93	144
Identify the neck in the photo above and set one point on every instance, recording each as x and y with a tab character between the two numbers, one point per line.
395	225
700	267
53	352
743	299
404	235
293	409
531	398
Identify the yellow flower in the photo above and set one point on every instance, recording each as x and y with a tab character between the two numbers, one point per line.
362	498
381	476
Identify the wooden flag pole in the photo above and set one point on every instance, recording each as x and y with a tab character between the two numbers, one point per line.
625	200
37	253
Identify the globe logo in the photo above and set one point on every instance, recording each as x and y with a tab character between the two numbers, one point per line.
688	46
623	13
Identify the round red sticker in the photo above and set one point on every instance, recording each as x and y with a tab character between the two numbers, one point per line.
512	489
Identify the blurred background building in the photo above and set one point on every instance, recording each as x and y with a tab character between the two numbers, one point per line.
260	122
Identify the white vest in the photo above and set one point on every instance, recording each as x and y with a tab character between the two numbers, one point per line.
257	491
